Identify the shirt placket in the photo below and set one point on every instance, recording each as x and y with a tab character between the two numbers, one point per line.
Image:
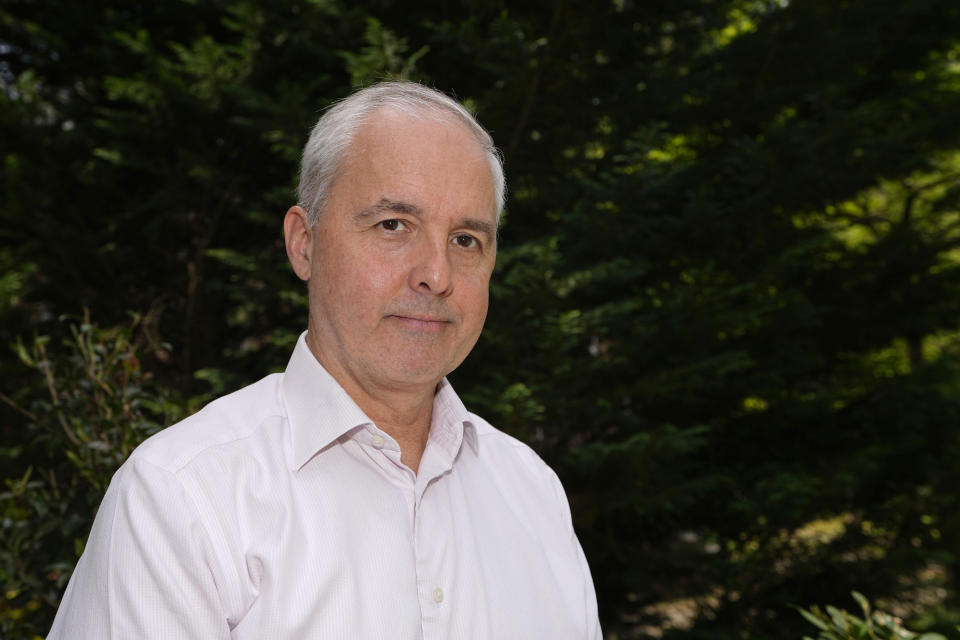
432	542
423	494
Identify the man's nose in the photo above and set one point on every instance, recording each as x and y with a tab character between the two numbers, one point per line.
431	271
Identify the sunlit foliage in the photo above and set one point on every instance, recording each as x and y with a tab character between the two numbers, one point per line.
726	306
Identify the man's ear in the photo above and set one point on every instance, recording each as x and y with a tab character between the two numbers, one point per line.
298	236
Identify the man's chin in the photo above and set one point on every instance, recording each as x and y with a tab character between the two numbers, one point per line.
416	371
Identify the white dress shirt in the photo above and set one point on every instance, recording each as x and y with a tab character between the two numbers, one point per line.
282	512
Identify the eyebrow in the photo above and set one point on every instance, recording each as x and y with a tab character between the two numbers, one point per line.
480	226
386	204
398	206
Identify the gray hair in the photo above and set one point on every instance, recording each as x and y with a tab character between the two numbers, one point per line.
333	133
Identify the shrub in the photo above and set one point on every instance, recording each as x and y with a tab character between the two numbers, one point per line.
838	624
89	405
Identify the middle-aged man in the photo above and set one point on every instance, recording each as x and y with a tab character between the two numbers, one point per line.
353	495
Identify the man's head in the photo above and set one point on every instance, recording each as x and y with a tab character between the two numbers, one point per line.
333	133
399	251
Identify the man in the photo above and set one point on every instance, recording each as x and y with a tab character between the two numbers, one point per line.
352	496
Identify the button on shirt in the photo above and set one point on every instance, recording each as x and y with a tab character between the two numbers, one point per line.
281	511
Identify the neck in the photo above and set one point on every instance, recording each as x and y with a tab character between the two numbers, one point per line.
403	412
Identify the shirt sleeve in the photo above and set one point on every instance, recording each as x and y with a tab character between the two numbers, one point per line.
148	570
591	622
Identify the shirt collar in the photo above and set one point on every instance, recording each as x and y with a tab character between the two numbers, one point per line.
320	411
451	422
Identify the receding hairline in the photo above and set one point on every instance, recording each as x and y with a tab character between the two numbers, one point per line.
335	132
428	113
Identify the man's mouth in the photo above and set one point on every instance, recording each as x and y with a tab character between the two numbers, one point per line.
423	322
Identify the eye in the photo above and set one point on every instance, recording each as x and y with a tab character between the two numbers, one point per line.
393	224
465	241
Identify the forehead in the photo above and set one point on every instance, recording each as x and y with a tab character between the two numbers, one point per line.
430	155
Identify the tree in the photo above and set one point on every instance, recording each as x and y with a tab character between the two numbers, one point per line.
725	303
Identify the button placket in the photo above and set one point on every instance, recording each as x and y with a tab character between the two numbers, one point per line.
432	556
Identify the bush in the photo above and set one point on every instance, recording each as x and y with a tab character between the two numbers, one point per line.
838	624
91	404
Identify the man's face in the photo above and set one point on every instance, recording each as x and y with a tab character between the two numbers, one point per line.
402	255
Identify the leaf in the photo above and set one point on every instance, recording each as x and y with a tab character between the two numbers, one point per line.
864	603
814	619
839	617
22	353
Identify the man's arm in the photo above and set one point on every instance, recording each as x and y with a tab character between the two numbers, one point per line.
148	570
591	620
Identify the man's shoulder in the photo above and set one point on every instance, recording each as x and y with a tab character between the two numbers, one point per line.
492	436
228	419
510	453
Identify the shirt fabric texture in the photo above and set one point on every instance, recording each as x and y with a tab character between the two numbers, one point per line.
281	512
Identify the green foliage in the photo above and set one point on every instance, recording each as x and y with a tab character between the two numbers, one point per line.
728	286
838	624
381	57
91	404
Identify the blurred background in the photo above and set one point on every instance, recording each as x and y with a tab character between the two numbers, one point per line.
726	308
